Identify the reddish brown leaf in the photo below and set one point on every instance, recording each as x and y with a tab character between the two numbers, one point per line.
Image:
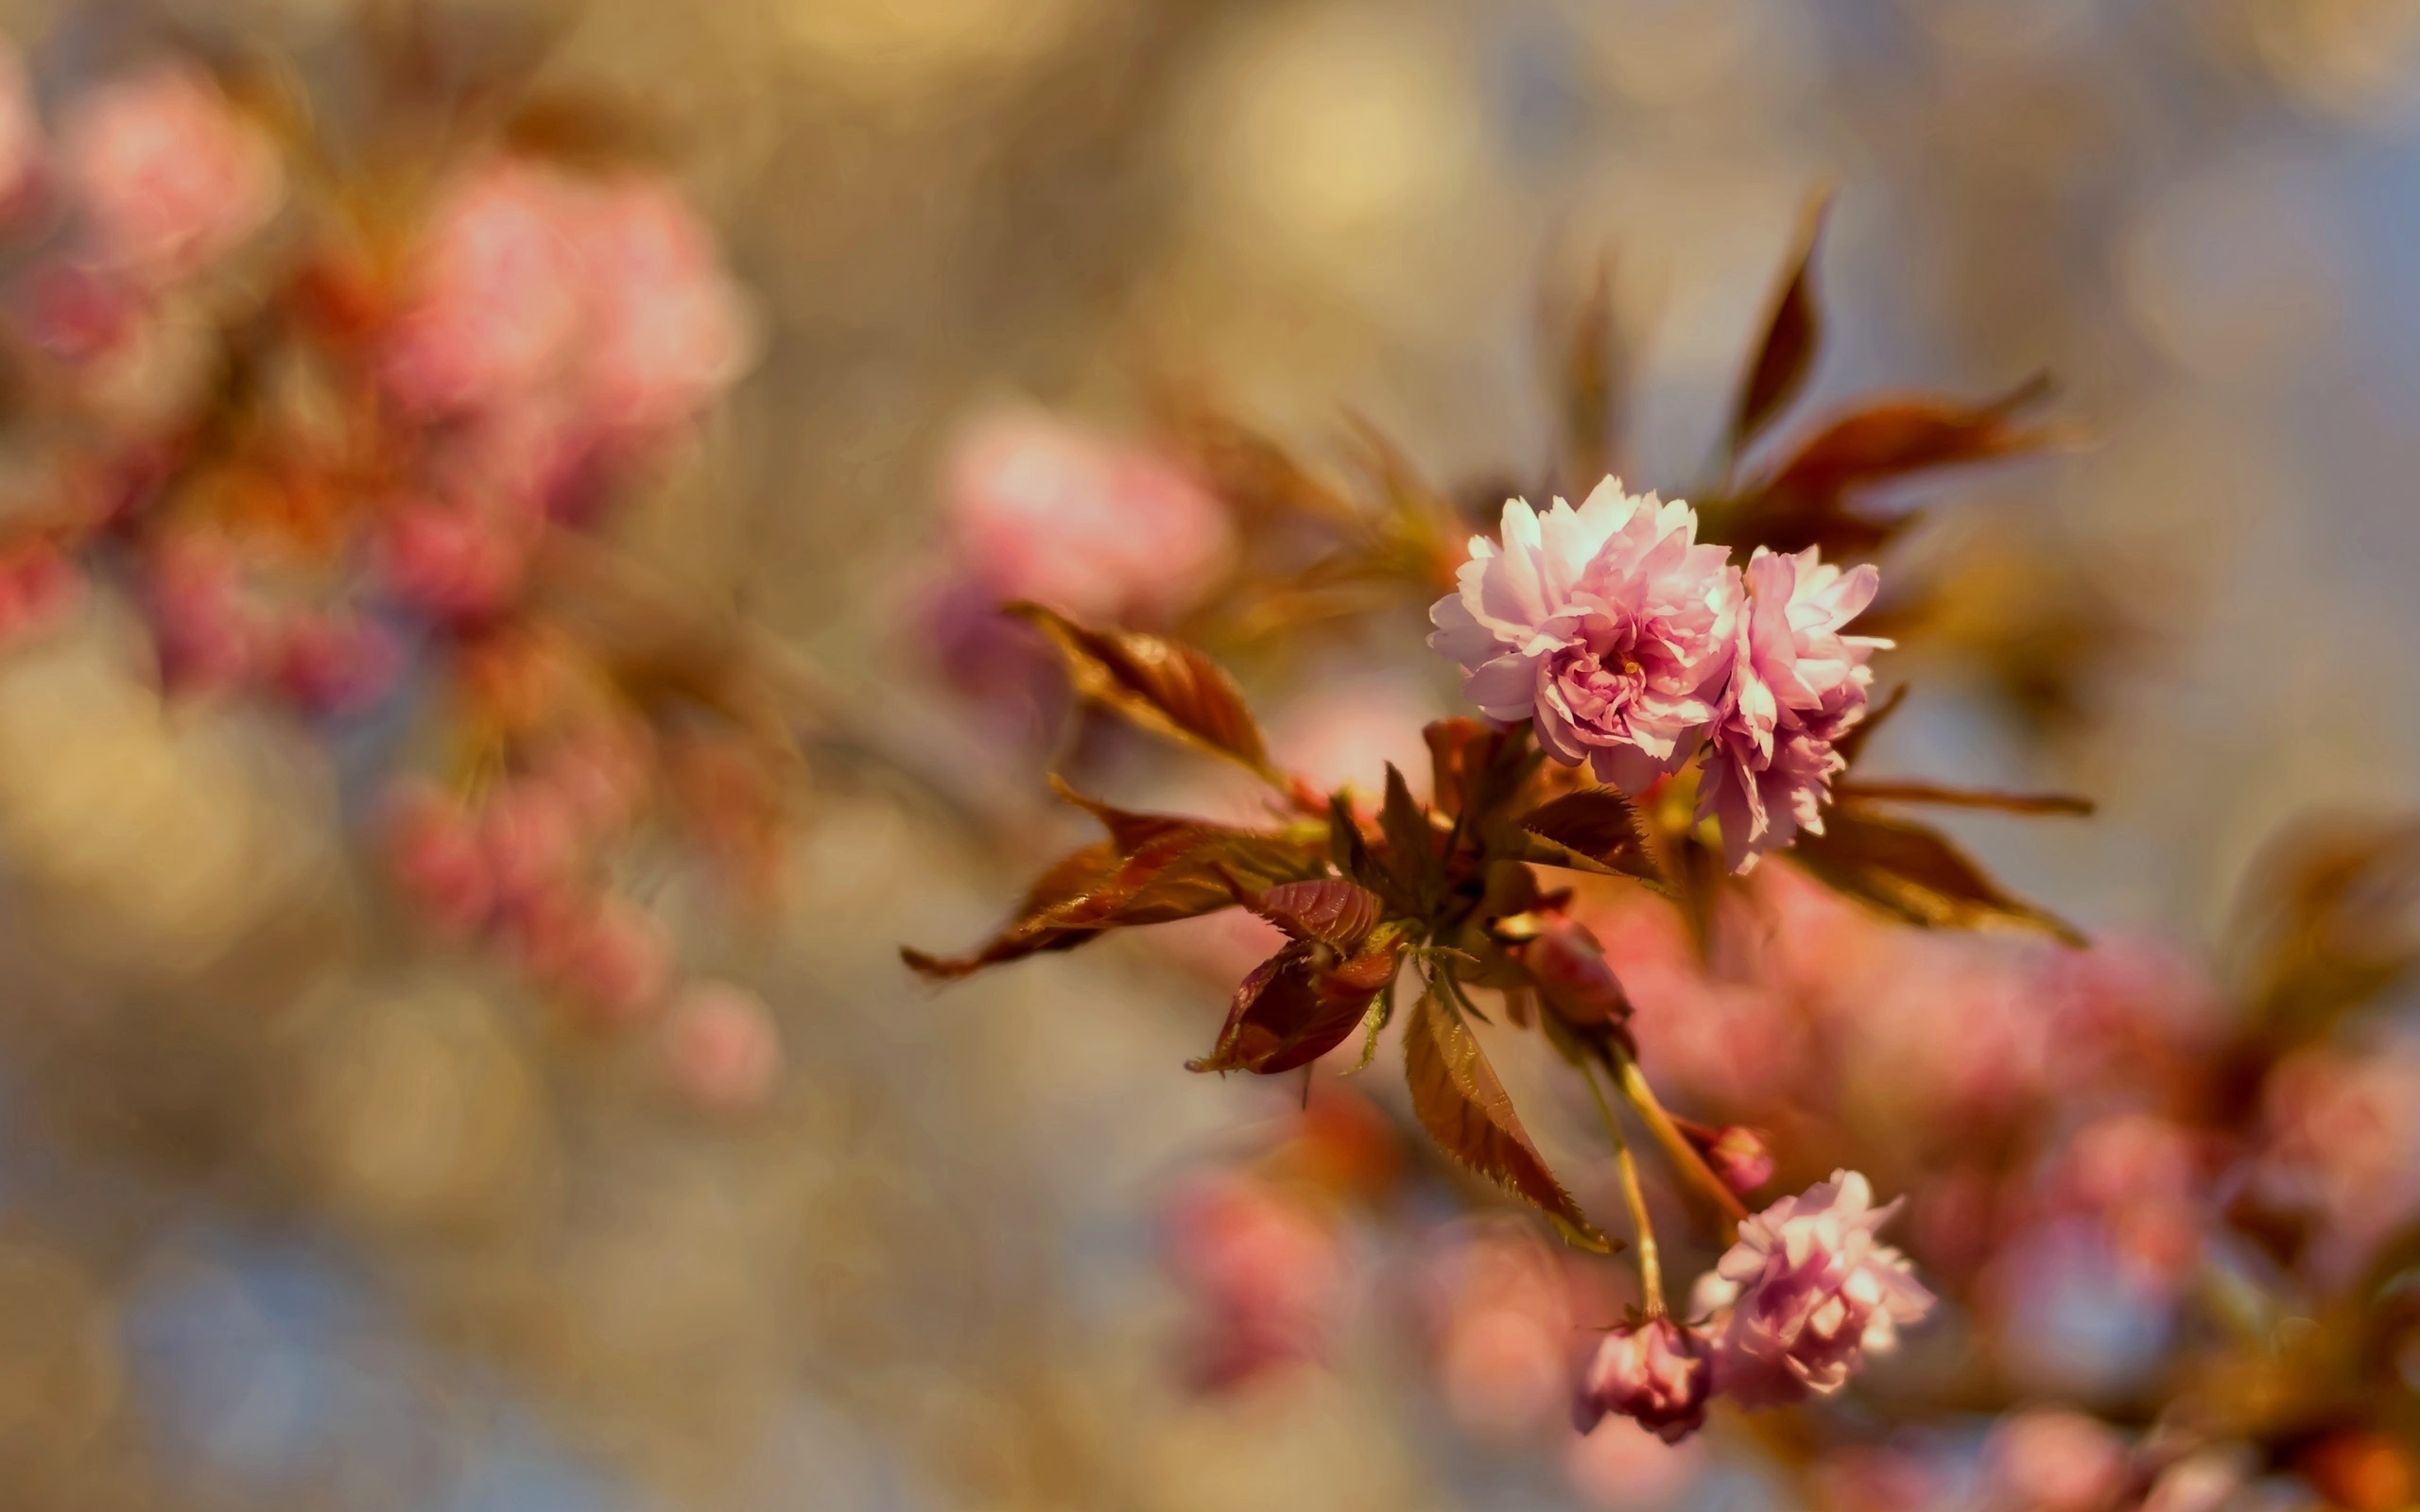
1880	442
1475	766
1161	684
1592	379
1412	843
1466	1110
1155	869
1300	1003
1598	823
1967	797
1915	872
1793	334
1327	909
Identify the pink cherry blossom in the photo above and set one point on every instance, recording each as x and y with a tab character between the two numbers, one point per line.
1045	510
617	961
169	177
1797	685
667	328
433	848
2051	1459
1805	1292
1658	1372
494	301
1264	1272
721	1047
1607	624
1505	1307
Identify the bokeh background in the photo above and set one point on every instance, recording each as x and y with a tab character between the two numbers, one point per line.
290	1217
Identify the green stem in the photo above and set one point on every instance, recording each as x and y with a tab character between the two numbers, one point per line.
1650	1267
1676	1144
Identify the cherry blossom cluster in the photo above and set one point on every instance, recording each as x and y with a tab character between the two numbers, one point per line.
1635	648
326	435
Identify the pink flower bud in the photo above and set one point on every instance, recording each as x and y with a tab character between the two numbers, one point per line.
721	1048
37	586
432	849
1570	970
207	629
618	961
530	838
1658	1372
1740	1158
449	562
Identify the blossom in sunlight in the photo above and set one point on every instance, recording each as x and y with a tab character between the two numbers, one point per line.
1045	511
1608	624
1805	1292
1797	685
1658	1372
168	174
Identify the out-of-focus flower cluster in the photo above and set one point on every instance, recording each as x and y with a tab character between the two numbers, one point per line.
340	439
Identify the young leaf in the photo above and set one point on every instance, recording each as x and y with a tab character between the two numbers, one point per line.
1412	844
1915	872
1475	767
1591	382
1466	1110
1808	500
1154	868
1787	354
1161	684
1330	910
1300	1003
1598	823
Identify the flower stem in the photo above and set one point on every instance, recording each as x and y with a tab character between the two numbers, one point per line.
1676	1144
1650	1267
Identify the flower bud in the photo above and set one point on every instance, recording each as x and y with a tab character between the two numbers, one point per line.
1657	1372
1739	1156
1570	970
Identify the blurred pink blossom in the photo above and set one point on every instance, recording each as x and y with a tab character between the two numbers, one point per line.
1657	1372
333	662
1623	1467
1043	509
1807	1293
1606	623
617	961
433	848
1505	1312
493	303
721	1047
1797	684
1264	1273
666	331
168	175
2050	1459
38	585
